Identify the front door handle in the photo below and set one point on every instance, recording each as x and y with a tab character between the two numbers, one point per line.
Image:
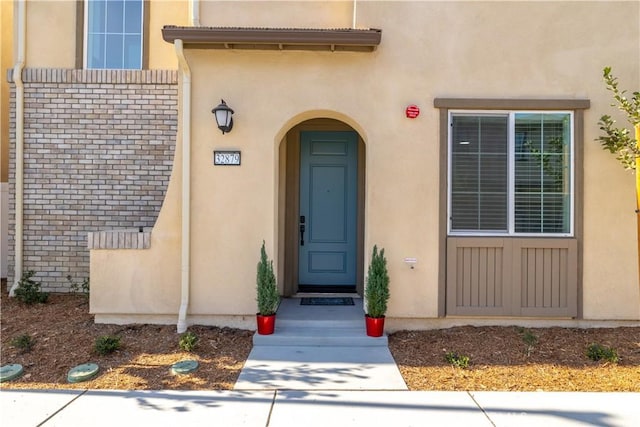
302	227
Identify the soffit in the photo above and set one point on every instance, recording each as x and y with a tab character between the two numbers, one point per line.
358	40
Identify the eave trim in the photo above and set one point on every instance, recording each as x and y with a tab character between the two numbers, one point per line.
362	40
511	104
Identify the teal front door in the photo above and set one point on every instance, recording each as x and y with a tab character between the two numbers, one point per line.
328	210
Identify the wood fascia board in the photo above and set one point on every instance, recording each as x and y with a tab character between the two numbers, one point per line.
511	104
273	38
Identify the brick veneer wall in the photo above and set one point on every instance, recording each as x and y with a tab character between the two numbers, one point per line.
98	151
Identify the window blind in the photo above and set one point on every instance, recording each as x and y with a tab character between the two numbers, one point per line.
535	198
542	173
478	173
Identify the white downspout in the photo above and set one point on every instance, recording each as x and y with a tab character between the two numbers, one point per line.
185	126
21	34
194	12
355	3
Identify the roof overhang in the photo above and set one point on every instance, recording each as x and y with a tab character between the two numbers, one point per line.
358	40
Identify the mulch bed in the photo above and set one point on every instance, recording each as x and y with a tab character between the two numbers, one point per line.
500	359
64	335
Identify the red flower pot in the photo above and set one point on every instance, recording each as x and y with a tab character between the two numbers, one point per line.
374	325
266	324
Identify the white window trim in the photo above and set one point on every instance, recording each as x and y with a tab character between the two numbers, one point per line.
85	53
510	232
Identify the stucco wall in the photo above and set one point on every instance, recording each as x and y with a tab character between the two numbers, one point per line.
428	50
53	26
51	33
279	14
6	62
167	12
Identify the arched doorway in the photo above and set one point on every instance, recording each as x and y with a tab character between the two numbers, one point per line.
322	171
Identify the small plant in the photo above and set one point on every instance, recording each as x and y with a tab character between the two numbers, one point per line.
457	360
266	288
530	341
597	352
28	290
23	342
188	341
78	287
377	287
619	140
107	344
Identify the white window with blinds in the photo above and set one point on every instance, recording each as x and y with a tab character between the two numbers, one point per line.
511	173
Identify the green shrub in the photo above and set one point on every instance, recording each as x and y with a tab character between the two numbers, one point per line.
266	287
78	287
107	344
188	341
597	352
28	290
376	291
530	340
23	342
457	360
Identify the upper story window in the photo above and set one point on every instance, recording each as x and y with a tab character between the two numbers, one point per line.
114	31
511	173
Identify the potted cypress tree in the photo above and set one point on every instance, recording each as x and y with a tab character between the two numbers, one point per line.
267	294
376	293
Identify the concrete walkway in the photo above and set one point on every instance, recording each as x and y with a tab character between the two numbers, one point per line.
320	368
279	408
320	348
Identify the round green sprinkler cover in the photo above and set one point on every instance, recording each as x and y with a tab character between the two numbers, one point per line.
184	367
82	373
10	372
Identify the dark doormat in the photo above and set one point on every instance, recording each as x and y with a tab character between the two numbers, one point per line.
326	289
327	301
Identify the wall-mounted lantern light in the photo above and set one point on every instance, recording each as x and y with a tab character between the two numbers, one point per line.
224	117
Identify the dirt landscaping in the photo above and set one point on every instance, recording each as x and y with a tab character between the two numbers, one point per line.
63	335
500	359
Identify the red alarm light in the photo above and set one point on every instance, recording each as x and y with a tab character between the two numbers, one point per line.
412	111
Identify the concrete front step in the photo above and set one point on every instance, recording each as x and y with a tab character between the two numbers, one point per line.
319	323
319	337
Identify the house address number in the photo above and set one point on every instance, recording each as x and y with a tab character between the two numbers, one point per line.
226	158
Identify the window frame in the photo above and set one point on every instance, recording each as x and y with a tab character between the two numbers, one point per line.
143	37
511	115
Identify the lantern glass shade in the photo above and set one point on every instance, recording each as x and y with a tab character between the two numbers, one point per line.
224	116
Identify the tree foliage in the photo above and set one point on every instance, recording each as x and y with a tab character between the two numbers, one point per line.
377	287
267	290
619	141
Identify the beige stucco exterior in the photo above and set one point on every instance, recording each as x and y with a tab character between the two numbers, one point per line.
161	54
51	34
533	50
278	14
6	62
52	26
